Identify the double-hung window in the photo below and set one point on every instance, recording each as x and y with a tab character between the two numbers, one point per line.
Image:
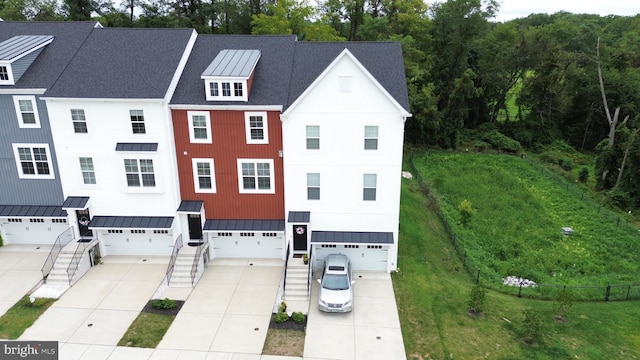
213	89
137	121
369	187
313	137
33	161
204	180
237	89
256	176
88	172
139	172
27	111
4	74
79	121
199	127
256	128
371	138
313	186
226	89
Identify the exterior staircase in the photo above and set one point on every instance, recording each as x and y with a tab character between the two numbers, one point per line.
296	281
181	276
58	274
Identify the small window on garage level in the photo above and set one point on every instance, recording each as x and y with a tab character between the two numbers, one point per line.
328	245
352	246
160	231
269	234
374	246
15	220
64	221
224	234
247	234
114	231
36	220
137	231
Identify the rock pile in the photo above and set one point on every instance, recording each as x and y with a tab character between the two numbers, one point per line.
517	281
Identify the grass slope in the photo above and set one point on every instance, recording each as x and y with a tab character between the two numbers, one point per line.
520	210
21	316
432	292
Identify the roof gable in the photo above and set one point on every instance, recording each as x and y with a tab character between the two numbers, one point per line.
295	100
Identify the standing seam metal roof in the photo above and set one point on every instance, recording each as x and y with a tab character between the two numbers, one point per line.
20	45
233	63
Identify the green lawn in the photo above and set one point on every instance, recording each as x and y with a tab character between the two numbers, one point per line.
519	212
21	316
432	292
147	330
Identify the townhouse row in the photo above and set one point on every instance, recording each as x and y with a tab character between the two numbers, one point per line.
259	146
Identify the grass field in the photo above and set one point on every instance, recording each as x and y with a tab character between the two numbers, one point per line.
520	211
432	292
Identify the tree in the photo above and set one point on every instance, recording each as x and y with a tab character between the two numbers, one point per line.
78	10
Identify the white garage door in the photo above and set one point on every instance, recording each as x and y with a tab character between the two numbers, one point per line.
32	231
136	243
363	257
247	245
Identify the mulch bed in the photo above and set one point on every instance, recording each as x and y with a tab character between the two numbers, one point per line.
150	309
288	325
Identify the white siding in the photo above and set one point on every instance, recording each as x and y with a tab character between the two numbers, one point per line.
341	159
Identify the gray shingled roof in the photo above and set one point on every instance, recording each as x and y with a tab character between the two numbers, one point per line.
271	79
344	237
233	63
244	225
299	216
382	59
137	147
132	222
190	206
20	45
287	67
31	211
68	37
117	63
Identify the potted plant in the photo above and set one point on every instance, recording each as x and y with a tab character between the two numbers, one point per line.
305	259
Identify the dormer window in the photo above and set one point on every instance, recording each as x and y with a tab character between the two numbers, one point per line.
228	77
13	55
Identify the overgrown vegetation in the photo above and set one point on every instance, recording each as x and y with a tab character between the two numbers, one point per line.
520	211
433	294
21	316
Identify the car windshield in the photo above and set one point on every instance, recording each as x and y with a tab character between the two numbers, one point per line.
335	282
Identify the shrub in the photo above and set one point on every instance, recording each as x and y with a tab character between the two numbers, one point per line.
532	331
1	242
566	164
476	299
563	303
280	317
165	303
502	142
466	212
583	176
298	317
283	307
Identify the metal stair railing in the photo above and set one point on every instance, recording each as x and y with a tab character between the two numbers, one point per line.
196	261
310	273
174	255
284	276
61	241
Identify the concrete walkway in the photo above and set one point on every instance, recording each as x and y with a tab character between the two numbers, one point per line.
20	267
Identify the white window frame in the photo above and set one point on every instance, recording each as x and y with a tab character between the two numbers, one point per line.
196	175
21	174
313	182
9	80
229	85
137	122
192	132
307	137
32	99
366	185
248	128
79	120
87	171
140	174
272	188
370	137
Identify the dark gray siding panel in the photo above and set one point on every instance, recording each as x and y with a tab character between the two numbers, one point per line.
16	191
21	65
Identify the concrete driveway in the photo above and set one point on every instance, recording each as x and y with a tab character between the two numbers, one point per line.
19	271
370	331
99	308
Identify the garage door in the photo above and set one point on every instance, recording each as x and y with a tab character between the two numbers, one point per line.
32	231
363	257
136	243
247	245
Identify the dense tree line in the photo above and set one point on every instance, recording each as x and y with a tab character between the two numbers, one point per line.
534	79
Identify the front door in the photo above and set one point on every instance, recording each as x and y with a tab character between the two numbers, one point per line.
195	228
299	237
84	218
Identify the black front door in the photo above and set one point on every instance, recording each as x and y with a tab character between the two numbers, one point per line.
195	228
84	218
299	237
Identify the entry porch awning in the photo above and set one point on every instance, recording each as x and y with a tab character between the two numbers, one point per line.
351	237
299	216
131	222
75	203
190	206
32	211
243	225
